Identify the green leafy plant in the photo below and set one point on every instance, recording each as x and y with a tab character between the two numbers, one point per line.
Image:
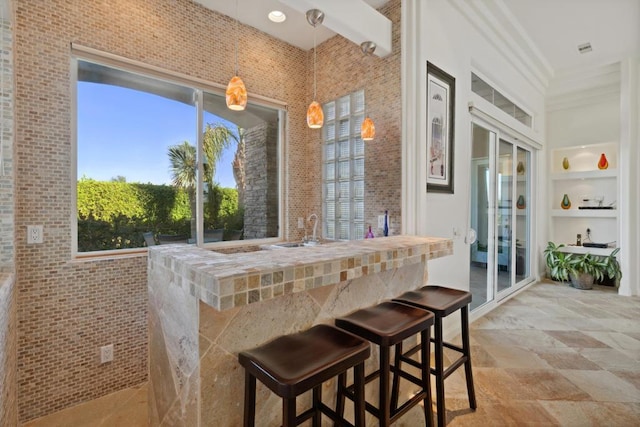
563	266
612	266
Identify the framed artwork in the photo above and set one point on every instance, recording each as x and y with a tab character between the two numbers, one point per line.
441	97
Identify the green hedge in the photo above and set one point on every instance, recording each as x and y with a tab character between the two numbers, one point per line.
114	214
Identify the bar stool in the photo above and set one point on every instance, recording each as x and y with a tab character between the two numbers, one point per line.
388	324
293	364
442	302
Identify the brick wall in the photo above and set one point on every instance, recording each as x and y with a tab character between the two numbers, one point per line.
8	325
342	69
66	308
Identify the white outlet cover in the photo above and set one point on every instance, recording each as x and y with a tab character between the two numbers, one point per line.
106	353
35	234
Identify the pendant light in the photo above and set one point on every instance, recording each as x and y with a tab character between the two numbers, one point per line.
236	94
367	130
315	116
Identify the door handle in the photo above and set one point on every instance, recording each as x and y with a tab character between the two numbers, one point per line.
471	236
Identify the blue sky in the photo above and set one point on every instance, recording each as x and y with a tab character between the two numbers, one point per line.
123	132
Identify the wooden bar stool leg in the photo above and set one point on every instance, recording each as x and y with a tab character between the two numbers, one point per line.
340	397
395	388
288	412
439	372
426	378
359	412
249	400
383	407
317	401
466	348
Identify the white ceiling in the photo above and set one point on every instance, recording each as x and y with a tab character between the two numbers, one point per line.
547	30
295	30
557	27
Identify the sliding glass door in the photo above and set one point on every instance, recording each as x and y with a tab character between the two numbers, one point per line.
500	214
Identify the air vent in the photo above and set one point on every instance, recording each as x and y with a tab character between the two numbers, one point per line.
584	48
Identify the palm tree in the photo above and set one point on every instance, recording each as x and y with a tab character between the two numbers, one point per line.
183	172
184	164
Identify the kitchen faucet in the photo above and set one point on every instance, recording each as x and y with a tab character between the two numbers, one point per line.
315	227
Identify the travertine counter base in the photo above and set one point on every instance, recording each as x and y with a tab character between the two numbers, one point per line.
205	307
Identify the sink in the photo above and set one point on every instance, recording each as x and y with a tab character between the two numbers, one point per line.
289	245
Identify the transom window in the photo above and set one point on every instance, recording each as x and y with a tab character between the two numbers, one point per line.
161	161
343	176
488	92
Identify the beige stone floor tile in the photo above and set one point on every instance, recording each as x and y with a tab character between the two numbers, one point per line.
594	414
577	339
603	386
515	357
610	358
622	342
566	358
632	377
547	384
505	413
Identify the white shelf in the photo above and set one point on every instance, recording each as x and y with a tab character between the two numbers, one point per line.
583	250
594	174
585	213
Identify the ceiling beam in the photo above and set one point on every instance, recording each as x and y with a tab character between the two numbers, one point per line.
352	19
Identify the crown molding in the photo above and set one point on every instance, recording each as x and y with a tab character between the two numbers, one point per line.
578	87
498	25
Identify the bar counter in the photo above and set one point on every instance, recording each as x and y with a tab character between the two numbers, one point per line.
205	307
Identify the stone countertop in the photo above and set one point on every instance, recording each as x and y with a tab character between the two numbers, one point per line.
224	281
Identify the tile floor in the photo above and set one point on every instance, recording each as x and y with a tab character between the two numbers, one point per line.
552	355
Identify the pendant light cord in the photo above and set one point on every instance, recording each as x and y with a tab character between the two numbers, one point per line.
315	48
237	37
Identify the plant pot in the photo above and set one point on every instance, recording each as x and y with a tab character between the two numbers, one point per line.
582	281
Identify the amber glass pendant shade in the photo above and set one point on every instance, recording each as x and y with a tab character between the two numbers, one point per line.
315	116
367	130
236	94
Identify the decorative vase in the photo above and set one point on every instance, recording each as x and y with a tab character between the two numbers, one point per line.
520	168
603	163
520	203
566	203
565	163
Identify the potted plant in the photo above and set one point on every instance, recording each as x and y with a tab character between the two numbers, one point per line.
582	269
585	270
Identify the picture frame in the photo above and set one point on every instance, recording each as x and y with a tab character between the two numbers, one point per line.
441	97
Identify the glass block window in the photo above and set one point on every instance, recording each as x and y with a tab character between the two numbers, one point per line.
343	171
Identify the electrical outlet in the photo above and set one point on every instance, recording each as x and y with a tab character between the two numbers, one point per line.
34	234
300	222
380	222
106	353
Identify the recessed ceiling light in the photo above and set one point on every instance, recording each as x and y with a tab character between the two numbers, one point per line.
584	48
277	16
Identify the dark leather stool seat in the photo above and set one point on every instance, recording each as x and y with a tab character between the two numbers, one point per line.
293	364
442	302
387	325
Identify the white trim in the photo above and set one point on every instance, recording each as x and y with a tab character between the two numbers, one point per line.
510	129
413	106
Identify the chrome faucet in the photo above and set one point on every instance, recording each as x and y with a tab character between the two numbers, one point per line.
315	226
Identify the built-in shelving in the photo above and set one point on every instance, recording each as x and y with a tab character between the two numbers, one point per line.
586	250
585	213
583	182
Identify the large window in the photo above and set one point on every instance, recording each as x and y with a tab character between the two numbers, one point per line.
162	161
343	176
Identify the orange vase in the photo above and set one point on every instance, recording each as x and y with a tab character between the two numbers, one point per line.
565	203
603	163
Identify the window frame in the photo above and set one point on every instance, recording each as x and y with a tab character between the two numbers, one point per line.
199	86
